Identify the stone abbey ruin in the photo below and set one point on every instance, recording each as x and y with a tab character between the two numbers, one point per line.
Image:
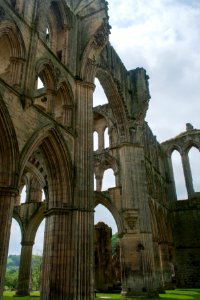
47	145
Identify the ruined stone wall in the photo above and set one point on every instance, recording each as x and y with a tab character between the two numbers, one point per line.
186	223
104	280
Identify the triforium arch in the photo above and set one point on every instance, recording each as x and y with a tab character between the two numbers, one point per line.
12	53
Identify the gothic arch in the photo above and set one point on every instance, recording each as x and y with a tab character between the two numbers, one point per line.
115	100
188	145
45	70
59	22
64	104
57	161
103	162
173	148
14	52
34	224
9	151
101	199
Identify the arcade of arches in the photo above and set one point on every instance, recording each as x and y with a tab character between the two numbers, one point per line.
47	144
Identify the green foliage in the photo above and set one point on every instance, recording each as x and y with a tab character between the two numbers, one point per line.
11	278
36	272
13	261
114	241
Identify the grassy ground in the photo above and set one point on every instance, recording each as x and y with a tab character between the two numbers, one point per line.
178	294
9	296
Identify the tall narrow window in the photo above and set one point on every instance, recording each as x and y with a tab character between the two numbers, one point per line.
179	176
95	141
194	158
108	180
23	195
106	138
40	84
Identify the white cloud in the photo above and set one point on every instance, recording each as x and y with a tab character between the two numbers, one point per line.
163	37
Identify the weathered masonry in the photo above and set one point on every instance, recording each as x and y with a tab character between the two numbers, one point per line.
46	144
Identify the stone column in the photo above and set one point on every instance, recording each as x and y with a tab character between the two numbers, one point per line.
7	201
58	273
83	198
138	270
24	278
99	178
51	102
172	186
101	141
68	247
187	174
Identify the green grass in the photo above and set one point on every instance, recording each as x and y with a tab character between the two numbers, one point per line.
9	296
178	294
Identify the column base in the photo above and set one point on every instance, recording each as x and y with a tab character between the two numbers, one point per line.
22	294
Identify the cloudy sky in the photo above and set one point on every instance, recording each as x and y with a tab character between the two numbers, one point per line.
162	36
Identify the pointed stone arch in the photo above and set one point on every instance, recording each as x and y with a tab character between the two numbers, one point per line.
57	159
101	199
9	151
116	102
60	22
64	106
15	53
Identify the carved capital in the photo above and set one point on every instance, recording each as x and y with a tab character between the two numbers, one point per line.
102	34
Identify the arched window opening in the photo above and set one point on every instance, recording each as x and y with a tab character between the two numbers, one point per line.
106	138
37	258
15	239
43	196
102	214
41	99
108	180
5	54
194	158
47	35
106	250
40	84
13	260
23	195
95	141
99	97
181	190
95	184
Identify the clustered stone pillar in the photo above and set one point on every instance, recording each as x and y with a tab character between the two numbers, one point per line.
7	201
24	277
83	197
138	272
58	260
